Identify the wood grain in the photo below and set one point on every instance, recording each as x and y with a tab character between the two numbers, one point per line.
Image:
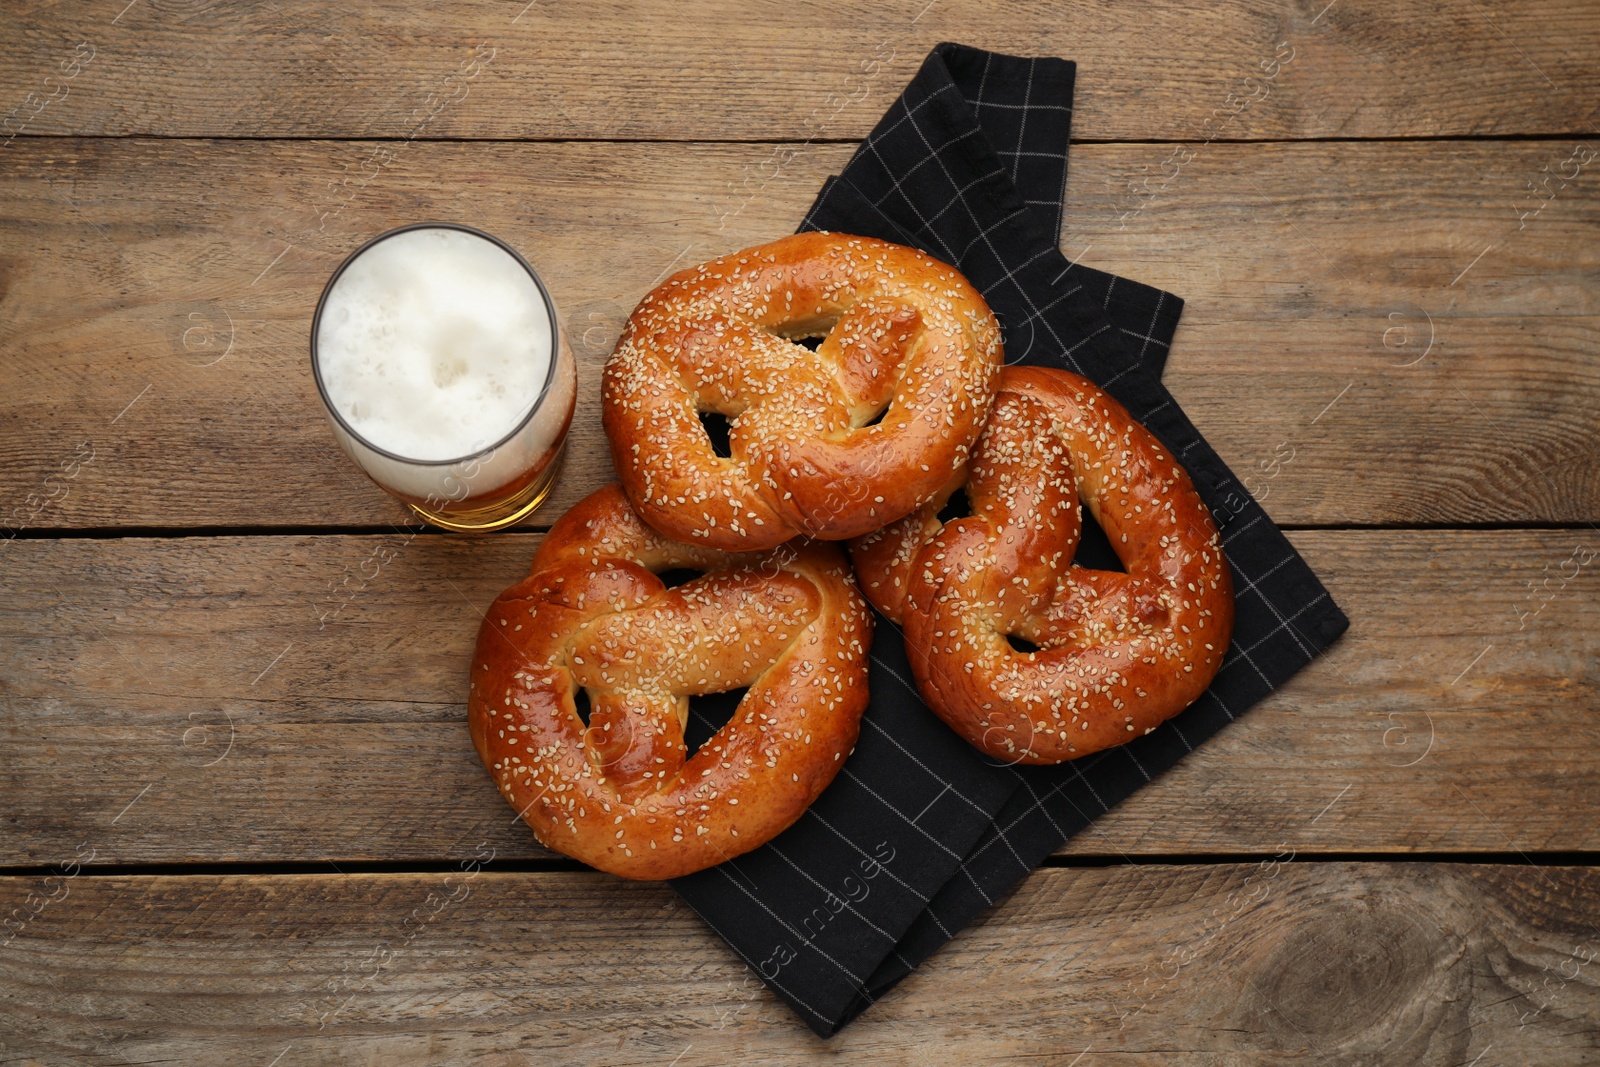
658	70
1382	328
1329	963
301	699
1375	333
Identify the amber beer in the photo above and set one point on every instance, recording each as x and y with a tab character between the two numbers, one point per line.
441	364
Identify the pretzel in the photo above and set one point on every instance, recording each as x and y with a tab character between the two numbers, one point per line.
1117	654
622	793
904	336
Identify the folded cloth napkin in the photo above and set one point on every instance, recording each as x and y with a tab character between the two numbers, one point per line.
920	833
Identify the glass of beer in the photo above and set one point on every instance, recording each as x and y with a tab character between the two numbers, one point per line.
441	364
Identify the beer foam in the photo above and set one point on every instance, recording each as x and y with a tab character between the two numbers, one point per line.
434	344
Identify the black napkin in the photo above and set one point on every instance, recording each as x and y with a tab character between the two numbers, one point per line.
920	833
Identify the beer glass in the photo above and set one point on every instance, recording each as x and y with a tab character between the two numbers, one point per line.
444	374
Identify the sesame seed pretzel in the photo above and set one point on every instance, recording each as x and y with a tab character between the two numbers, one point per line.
622	793
1117	654
904	336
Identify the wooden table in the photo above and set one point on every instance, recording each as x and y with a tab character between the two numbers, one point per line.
242	822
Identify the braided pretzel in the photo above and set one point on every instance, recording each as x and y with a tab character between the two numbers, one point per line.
906	336
1117	653
622	794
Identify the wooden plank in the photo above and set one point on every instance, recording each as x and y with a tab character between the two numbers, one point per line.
301	699
1411	345
663	71
1428	964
